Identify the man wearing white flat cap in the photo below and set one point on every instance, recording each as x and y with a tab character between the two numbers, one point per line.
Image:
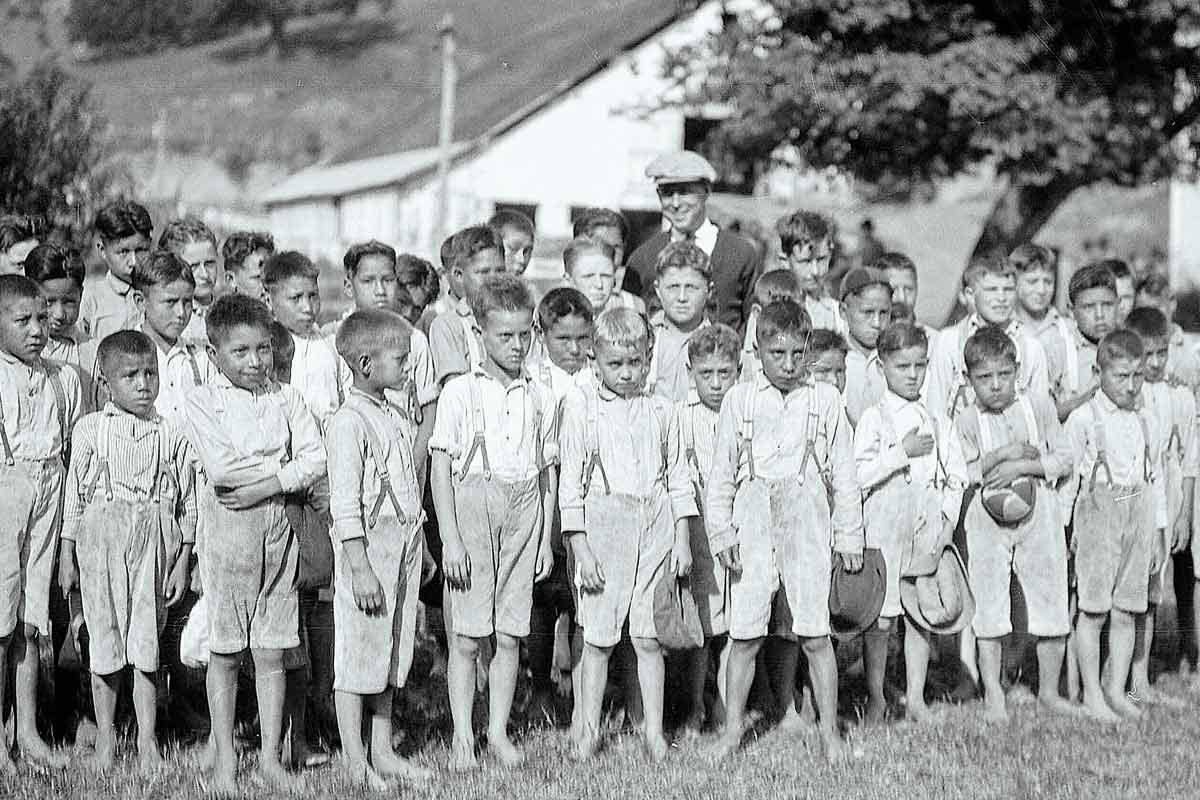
684	180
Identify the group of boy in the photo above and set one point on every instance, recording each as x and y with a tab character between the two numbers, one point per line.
584	461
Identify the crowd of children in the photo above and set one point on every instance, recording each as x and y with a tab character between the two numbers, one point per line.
188	454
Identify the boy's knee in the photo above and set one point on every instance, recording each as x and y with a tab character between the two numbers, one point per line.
464	645
816	645
506	642
267	662
646	646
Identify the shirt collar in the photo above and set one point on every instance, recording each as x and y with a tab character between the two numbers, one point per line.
72	335
1177	336
1109	407
220	379
896	403
463	308
117	285
480	371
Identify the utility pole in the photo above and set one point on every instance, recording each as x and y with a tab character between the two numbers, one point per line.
446	127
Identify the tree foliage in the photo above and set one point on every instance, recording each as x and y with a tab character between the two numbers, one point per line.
53	153
1055	94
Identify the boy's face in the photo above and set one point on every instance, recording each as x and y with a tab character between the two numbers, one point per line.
1095	312
830	367
202	258
1164	304
1125	297
374	284
244	356
1157	350
12	261
168	309
595	276
389	364
1035	291
993	297
783	357
611	236
249	279
120	255
518	250
23	326
132	382
904	371
809	262
904	286
995	383
296	303
506	339
867	313
1121	381
683	294
622	368
713	376
568	342
62	304
479	268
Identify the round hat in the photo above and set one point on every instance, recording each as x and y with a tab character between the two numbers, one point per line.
856	598
942	602
1012	504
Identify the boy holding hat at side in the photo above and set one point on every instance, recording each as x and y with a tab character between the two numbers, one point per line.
1015	451
867	308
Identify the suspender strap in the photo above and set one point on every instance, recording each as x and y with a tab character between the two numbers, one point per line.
746	429
102	471
474	351
1147	471
1101	456
592	434
8	453
60	406
191	357
375	452
688	429
1071	365
478	444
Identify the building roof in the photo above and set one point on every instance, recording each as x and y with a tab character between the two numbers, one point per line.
510	66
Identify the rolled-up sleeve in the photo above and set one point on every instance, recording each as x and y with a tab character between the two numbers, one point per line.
449	426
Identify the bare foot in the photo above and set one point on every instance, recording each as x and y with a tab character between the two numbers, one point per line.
876	711
918	712
362	773
35	750
7	766
1098	709
995	710
657	747
462	756
832	747
505	752
105	752
274	774
1124	706
392	765
792	722
221	780
149	759
1058	705
85	734
587	745
693	728
725	745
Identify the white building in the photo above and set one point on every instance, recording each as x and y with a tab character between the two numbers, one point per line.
574	127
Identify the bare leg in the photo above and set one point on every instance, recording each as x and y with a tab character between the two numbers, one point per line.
593	676
145	709
502	683
1121	630
721	709
104	699
25	654
460	680
384	758
576	683
7	767
221	683
822	667
1087	634
349	707
1074	689
270	684
652	679
787	668
741	661
1050	650
991	655
627	669
916	668
697	677
875	653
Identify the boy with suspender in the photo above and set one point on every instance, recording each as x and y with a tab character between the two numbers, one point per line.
455	337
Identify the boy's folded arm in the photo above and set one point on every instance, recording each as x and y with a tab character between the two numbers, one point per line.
308	461
875	461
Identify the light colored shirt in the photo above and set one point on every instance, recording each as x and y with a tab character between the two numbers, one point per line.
136	450
1183	365
948	391
419	364
865	383
634	437
242	437
29	407
65	348
780	425
108	306
517	421
453	351
1098	424
553	378
1011	425
705	236
826	313
624	299
668	375
355	484
698	430
1070	358
321	375
196	332
180	369
879	449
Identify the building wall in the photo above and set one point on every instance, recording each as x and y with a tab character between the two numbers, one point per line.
1185	233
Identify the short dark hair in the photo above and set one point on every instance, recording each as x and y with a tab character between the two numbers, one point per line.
683	255
894	260
364	332
415	271
824	340
1148	322
18	287
289	264
775	285
470	242
1121	343
123	219
1155	284
989	342
511	218
240	244
358	252
1117	267
1091	276
802	227
446	252
582	246
161	268
901	336
714	340
179	233
124	343
234	311
590	219
1029	257
560	302
14	229
982	266
501	292
283	346
51	262
782	317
